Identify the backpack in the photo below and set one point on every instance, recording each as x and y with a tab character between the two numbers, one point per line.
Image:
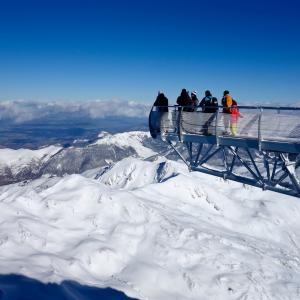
210	104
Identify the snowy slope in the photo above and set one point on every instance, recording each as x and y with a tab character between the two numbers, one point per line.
25	164
132	139
154	231
16	159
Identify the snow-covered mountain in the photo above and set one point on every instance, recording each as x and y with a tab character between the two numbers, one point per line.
25	164
154	231
22	164
113	212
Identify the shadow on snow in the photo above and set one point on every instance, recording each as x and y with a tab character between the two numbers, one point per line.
18	287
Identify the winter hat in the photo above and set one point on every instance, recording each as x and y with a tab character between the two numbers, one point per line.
194	93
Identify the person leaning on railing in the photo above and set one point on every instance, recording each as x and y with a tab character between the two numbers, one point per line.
195	101
185	101
161	101
209	104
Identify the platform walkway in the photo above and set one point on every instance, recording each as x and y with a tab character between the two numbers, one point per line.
268	136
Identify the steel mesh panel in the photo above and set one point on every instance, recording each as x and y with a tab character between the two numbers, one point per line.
269	124
280	126
169	122
244	126
198	122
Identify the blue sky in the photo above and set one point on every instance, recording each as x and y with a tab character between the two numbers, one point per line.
127	50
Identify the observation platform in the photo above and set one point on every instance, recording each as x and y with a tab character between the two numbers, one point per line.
268	136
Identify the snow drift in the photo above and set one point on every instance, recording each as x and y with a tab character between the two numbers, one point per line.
154	231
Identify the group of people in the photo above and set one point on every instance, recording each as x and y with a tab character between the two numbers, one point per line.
208	104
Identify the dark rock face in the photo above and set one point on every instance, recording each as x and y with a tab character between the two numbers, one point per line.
79	157
78	160
67	161
82	156
25	173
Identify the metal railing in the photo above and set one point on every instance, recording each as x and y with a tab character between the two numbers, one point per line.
262	123
260	146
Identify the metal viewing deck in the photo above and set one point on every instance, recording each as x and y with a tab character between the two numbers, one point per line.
260	147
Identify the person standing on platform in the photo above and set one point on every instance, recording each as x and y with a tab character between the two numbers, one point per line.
184	100
234	116
161	102
209	104
195	101
226	103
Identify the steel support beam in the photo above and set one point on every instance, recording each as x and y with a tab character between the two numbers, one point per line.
260	178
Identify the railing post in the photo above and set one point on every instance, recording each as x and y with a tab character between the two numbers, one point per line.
179	122
216	127
259	128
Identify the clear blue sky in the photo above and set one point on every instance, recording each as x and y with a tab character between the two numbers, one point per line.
128	49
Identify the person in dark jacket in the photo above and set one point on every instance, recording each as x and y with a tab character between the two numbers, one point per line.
161	101
155	118
209	104
185	100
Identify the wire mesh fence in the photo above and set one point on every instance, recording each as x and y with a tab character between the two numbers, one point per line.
262	123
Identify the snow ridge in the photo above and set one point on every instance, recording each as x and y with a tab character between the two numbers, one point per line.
133	139
24	164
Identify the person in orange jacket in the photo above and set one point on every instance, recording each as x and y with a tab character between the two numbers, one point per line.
227	103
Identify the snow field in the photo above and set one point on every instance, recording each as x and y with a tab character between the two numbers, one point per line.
154	231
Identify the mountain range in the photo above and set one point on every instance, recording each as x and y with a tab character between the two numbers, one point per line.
122	212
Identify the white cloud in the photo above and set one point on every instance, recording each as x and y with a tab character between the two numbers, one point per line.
20	111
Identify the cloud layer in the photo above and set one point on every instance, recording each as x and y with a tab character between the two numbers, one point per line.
21	111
